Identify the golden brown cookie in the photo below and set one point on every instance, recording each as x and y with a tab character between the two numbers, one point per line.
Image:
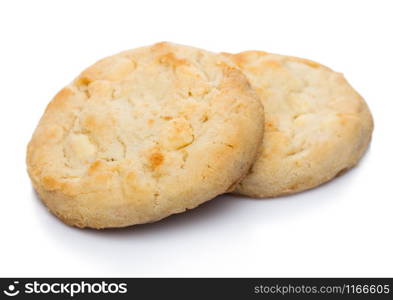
316	124
144	134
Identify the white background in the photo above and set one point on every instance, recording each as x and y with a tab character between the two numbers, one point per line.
343	228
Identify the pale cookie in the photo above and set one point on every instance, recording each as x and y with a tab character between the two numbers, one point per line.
316	124
144	134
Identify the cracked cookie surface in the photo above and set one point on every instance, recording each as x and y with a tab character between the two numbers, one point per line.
316	124
144	134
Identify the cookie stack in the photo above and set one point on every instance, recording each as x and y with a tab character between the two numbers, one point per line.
157	130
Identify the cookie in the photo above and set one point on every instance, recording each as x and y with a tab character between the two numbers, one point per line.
144	134
316	125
